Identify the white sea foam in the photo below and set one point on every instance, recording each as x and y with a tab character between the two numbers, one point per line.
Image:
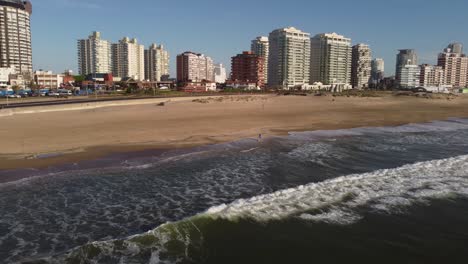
337	201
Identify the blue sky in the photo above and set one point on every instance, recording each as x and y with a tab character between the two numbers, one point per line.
221	28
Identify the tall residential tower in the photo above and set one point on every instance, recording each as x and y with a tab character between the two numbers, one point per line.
128	59
261	47
15	35
156	63
289	58
361	66
94	55
330	60
405	57
194	67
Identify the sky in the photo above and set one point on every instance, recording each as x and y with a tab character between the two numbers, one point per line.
221	29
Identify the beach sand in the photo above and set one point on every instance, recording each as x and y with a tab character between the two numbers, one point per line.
39	140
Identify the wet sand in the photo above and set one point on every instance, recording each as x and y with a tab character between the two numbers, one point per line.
39	140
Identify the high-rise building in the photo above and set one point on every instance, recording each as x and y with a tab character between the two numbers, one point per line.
156	63
456	48
248	68
194	67
361	68
261	47
128	59
410	76
289	58
330	59
94	55
455	67
431	75
15	35
405	57
220	73
378	70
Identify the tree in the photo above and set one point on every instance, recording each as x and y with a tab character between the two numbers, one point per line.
79	78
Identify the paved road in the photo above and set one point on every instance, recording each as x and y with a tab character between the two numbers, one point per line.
88	100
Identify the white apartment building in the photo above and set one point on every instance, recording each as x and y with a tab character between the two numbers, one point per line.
15	36
261	47
410	76
156	63
432	75
378	70
48	79
220	73
5	76
289	58
128	59
361	67
94	55
330	59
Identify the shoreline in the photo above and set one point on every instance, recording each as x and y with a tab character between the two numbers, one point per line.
334	118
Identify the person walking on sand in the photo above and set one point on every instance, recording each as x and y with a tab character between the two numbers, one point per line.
259	137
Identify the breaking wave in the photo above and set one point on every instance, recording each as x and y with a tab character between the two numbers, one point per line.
338	202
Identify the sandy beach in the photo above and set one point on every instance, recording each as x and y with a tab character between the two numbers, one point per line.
36	140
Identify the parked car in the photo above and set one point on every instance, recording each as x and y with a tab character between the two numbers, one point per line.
54	94
65	93
14	96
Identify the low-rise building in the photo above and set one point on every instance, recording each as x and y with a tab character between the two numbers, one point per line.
5	76
48	79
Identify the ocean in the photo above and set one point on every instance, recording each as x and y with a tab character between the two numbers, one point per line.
363	195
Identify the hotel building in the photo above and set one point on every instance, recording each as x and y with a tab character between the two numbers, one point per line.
248	68
261	47
194	67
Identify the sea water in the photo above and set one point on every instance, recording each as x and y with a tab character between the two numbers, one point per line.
364	195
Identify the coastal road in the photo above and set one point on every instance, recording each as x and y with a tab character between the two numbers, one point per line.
88	100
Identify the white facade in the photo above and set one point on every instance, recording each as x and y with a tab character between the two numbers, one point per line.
361	68
48	79
15	37
220	73
261	47
289	58
378	70
5	76
156	63
330	60
128	59
410	76
94	55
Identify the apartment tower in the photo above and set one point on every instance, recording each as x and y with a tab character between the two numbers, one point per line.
289	58
261	47
378	70
156	63
194	67
431	75
361	68
94	55
405	57
330	59
248	67
128	59
15	35
455	65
